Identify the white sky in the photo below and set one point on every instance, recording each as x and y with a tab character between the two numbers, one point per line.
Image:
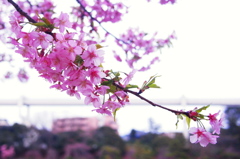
203	63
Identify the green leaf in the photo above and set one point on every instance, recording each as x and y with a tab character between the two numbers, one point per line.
188	120
107	83
178	117
115	113
153	86
43	24
129	86
202	108
115	73
150	83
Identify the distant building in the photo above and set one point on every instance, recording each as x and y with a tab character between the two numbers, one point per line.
86	124
3	122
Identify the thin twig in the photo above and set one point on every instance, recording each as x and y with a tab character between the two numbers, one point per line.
94	19
150	102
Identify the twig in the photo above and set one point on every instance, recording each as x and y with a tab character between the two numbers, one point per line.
94	19
22	12
150	102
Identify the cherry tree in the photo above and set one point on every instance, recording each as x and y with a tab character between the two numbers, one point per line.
67	49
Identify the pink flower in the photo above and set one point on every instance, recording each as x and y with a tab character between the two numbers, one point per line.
22	75
26	38
129	77
42	39
167	1
215	123
62	22
72	49
120	96
102	90
112	105
96	74
200	135
85	85
103	110
92	56
93	98
72	92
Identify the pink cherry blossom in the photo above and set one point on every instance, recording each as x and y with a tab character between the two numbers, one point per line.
200	135
92	56
96	74
62	22
129	77
22	75
73	92
103	110
215	123
111	105
42	39
92	98
72	49
102	90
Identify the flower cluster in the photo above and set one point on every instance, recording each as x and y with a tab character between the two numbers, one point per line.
137	44
199	134
68	62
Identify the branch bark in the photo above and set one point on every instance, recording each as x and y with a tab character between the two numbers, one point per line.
21	11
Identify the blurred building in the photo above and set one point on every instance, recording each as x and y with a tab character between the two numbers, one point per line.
86	124
3	122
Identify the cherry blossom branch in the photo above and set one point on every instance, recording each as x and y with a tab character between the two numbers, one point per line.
22	12
94	19
150	102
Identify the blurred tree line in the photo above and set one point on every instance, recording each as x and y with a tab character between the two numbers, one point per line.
105	143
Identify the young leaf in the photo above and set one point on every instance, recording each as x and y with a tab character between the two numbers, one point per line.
178	117
39	24
129	86
203	108
188	120
115	113
153	86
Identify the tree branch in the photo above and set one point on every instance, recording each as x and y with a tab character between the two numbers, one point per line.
150	102
22	12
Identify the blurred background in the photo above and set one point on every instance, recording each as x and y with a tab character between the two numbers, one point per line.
201	68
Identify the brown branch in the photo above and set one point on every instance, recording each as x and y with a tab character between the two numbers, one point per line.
150	102
22	12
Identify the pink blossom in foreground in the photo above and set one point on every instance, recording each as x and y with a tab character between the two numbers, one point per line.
42	39
96	74
200	135
215	123
62	22
103	110
92	56
111	105
129	77
92	98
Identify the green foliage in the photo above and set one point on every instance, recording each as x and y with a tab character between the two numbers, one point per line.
142	151
14	136
107	136
149	84
109	152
